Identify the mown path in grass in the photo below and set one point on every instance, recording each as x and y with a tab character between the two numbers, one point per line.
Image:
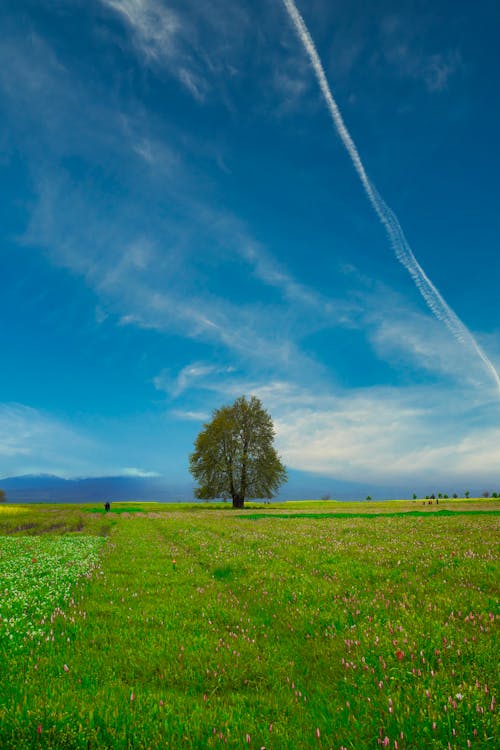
204	631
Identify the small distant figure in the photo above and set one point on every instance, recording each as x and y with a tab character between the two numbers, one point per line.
107	506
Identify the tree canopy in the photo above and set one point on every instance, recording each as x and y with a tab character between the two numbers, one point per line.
234	455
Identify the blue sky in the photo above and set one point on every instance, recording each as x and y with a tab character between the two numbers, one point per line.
182	224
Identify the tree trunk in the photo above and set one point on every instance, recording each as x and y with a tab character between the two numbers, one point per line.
238	501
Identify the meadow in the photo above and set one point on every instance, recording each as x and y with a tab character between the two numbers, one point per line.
304	625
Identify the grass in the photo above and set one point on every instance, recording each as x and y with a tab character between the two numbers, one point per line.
37	578
329	628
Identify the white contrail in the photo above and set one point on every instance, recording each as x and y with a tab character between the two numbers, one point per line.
386	215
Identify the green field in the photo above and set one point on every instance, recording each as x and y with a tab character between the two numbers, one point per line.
299	625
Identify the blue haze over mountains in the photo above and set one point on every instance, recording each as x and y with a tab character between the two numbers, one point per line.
48	488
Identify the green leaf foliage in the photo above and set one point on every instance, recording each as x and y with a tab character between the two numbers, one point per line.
234	455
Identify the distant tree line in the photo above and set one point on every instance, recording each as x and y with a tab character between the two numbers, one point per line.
444	496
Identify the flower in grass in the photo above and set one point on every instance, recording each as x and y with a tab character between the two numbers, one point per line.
65	667
248	739
39	729
132	697
318	733
400	654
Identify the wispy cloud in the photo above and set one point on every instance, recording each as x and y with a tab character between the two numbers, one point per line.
163	36
174	39
190	416
32	441
406	337
268	270
409	57
139	473
194	83
42	91
439	68
420	342
140	280
155	286
191	375
153	25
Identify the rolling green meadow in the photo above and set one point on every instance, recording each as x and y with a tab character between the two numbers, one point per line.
298	625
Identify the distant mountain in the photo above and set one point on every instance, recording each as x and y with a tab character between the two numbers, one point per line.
38	488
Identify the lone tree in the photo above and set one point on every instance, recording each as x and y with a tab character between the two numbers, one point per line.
234	454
